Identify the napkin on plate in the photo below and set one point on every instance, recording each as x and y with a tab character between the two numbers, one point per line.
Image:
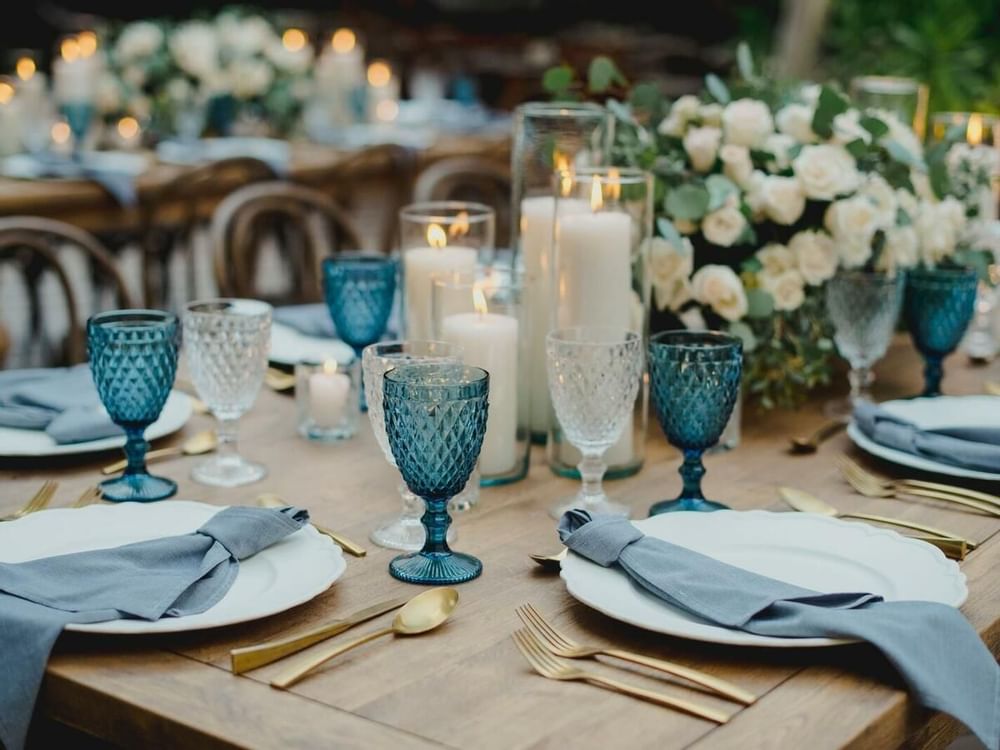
61	401
169	577
967	447
114	177
934	648
309	320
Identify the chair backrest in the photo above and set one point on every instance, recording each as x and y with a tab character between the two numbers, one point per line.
469	178
303	226
35	250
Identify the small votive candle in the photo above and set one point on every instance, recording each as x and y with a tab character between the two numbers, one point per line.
327	395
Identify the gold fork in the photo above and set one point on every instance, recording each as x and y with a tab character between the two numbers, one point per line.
554	668
984	497
41	499
89	496
562	645
873	486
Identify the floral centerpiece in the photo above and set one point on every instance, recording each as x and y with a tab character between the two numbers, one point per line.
762	193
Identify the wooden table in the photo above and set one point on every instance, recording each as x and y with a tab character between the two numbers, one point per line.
465	686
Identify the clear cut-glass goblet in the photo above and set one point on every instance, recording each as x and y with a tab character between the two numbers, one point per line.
404	531
695	380
133	360
226	342
435	419
863	308
593	375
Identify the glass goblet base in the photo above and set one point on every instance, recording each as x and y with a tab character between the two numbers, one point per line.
137	488
600	506
404	533
435	568
686	503
228	471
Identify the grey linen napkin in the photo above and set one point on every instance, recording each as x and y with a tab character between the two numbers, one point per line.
118	182
61	401
309	320
968	447
169	577
931	645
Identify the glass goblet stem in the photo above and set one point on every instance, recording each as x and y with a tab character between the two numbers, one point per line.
436	522
861	380
691	471
135	450
226	434
592	469
933	373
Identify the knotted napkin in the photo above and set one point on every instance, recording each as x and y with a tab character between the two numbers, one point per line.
933	647
968	447
168	577
61	401
116	179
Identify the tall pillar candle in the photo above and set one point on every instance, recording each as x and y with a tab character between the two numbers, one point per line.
420	264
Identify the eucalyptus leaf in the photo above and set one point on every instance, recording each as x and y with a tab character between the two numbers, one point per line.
557	80
902	154
760	304
669	232
688	201
830	104
620	110
979	260
720	188
857	148
744	61
743	331
717	89
603	74
647	96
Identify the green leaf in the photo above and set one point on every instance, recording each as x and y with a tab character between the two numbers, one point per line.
979	260
857	148
557	80
831	103
720	188
620	110
741	329
603	74
647	97
669	232
752	264
874	126
760	304
902	155
940	179
688	201
744	61
902	218
717	89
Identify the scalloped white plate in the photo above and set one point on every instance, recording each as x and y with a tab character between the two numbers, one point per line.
929	413
815	552
298	568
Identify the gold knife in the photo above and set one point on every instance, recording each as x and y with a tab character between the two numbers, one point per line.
250	657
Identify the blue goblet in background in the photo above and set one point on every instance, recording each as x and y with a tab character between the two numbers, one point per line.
435	419
695	379
79	115
938	307
359	290
133	359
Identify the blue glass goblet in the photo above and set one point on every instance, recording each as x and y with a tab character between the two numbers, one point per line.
435	419
695	378
133	359
359	290
938	307
78	116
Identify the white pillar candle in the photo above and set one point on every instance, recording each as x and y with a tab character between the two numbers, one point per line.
489	341
328	394
420	264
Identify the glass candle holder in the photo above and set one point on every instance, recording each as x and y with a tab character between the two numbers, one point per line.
600	277
547	137
439	237
904	97
484	315
327	397
975	128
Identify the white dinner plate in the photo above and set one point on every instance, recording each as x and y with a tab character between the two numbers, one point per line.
931	413
298	568
289	347
815	552
20	443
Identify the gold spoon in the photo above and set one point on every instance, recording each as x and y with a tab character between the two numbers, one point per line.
279	380
551	562
201	442
992	387
422	613
803	445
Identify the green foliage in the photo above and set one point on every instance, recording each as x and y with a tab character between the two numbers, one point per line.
558	81
603	74
831	103
689	201
718	90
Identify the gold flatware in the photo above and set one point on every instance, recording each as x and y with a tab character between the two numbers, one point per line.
992	387
38	502
197	405
888	487
956	549
251	657
551	562
561	645
554	668
89	496
804	445
199	443
803	501
270	500
279	380
422	613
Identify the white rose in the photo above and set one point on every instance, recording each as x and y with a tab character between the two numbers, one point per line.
788	289
721	289
936	233
138	40
686	108
179	89
702	146
672	125
796	120
108	96
783	199
140	107
809	93
853	223
724	226
847	128
815	255
710	114
754	195
779	145
747	122
826	171
908	202
901	249
900	132
776	259
670	269
922	185
951	211
293	61
134	76
195	49
251	78
253	36
736	163
883	196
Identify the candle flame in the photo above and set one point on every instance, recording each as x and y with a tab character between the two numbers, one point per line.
25	68
459	227
293	39
614	184
974	130
479	299
386	110
6	92
60	133
436	236
561	162
330	366
70	49
596	195
128	128
87	42
343	41
379	74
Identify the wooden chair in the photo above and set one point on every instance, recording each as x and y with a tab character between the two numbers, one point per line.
306	224
32	244
469	178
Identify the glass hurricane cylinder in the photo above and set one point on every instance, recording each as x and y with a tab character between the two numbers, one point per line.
600	277
904	97
327	398
547	137
483	314
439	237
